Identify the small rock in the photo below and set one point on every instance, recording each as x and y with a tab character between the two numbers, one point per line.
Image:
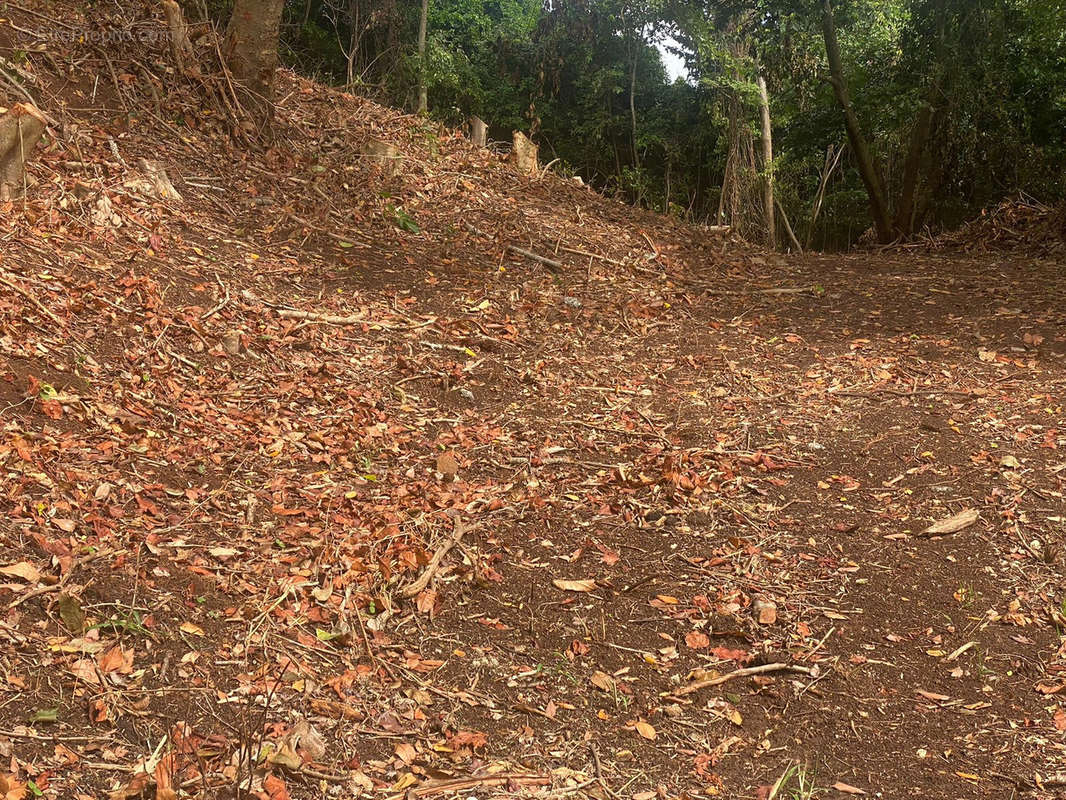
765	610
571	302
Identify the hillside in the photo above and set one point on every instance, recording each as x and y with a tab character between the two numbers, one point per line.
314	486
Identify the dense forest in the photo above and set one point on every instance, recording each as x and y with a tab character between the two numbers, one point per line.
951	105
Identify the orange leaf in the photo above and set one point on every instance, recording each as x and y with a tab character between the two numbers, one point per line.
697	640
116	660
275	787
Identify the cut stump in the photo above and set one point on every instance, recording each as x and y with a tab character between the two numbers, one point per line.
20	129
524	154
479	132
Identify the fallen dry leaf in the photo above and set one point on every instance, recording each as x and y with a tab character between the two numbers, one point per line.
11	788
847	788
23	569
116	659
602	681
646	730
275	787
575	586
953	524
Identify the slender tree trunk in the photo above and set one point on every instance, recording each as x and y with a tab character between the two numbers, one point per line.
666	198
868	168
788	228
831	161
423	93
911	168
633	104
923	125
251	48
720	219
767	164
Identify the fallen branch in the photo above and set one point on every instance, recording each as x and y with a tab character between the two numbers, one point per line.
318	775
788	227
40	307
587	254
744	672
315	316
461	784
455	348
550	263
347	241
771	292
337	319
222	304
434	563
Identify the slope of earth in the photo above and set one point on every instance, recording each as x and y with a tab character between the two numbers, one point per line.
314	487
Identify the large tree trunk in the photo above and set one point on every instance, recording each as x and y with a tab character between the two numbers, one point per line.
767	165
252	49
423	24
20	128
868	169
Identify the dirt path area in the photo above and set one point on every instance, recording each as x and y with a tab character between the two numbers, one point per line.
661	473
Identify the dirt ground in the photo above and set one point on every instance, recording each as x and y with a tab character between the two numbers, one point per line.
314	487
658	483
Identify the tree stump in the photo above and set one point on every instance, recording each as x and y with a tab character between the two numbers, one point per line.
525	154
20	128
180	44
385	154
479	131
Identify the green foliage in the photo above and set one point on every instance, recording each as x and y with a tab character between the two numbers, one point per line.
402	220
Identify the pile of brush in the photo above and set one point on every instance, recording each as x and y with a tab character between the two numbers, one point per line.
1018	224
